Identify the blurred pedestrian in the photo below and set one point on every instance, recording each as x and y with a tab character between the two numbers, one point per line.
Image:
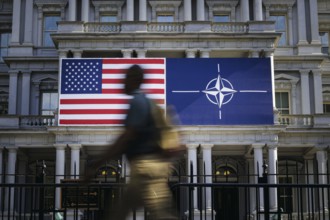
148	185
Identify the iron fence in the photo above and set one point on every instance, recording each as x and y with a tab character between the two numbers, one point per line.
227	201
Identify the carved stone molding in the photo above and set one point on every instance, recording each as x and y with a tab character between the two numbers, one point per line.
108	7
165	7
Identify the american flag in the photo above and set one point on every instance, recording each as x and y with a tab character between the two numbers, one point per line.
91	91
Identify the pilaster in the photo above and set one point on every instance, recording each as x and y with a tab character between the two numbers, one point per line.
245	12
143	10
200	10
130	10
187	10
258	10
28	23
85	10
318	96
72	10
305	94
25	105
16	25
13	79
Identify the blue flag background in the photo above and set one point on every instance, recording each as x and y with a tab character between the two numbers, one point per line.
220	91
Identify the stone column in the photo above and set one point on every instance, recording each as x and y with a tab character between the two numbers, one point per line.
40	24
204	53
130	10
309	170
314	18
245	13
192	169
10	178
318	97
301	23
75	160
290	26
143	10
207	160
305	97
28	22
258	10
127	53
200	10
191	53
187	10
272	172
72	10
12	107
60	171
294	96
322	157
25	105
16	25
258	170
85	11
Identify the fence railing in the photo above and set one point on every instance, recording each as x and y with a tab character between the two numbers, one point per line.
79	201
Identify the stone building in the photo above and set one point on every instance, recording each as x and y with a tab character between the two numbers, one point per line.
294	34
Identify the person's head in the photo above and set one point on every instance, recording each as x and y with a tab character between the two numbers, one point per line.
134	78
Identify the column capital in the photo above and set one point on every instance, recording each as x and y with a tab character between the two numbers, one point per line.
75	146
273	146
204	53
13	72
62	54
12	149
127	53
258	145
77	53
192	146
207	146
191	53
304	72
317	72
60	146
141	53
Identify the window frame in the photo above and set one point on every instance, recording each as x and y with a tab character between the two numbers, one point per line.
221	15
284	31
326	105
46	32
49	110
110	15
325	45
289	102
4	47
165	15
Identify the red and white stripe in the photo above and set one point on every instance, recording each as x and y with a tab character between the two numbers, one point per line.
110	107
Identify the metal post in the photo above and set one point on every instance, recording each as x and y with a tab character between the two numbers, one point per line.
41	174
264	179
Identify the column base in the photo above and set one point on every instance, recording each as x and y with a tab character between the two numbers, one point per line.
309	49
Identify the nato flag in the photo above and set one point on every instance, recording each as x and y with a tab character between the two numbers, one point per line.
220	91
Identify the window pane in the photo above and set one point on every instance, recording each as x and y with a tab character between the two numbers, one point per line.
221	18
326	107
108	18
50	22
49	103
165	18
282	102
280	26
48	40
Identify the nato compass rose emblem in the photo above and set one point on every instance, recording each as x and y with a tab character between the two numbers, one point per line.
219	91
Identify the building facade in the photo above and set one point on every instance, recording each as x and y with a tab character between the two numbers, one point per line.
294	34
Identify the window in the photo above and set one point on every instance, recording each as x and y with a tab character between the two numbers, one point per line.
324	38
280	26
285	195
221	18
4	43
49	26
165	18
108	18
49	103
282	102
326	107
3	104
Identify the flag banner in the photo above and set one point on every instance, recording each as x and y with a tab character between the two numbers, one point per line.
91	90
220	91
203	91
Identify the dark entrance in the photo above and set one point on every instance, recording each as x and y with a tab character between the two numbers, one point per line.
226	204
226	200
